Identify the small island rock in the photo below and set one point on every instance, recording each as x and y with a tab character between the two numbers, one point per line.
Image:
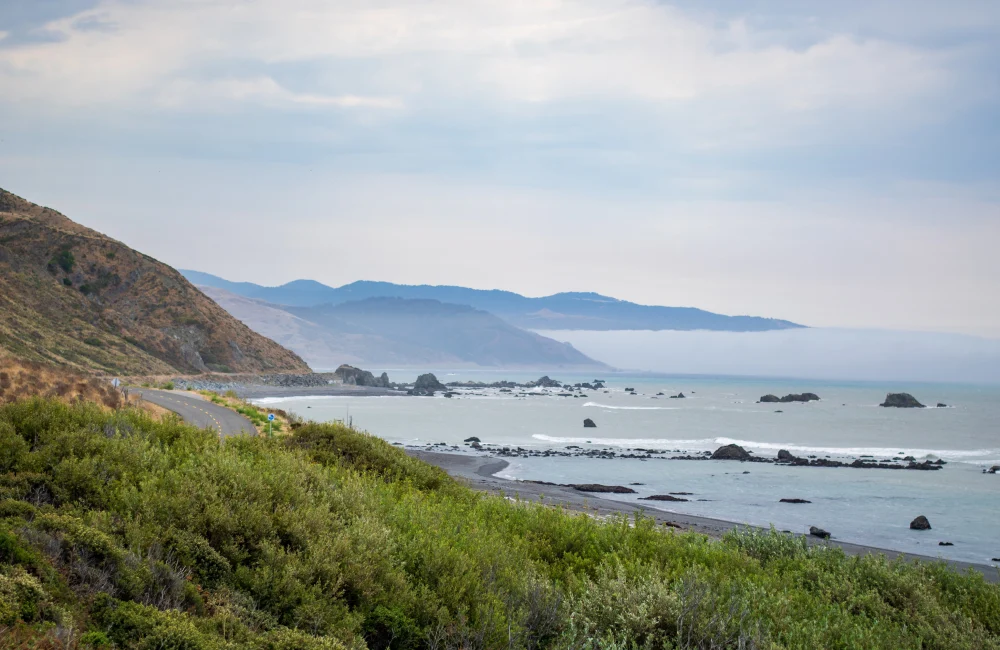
920	523
901	401
661	497
589	424
731	452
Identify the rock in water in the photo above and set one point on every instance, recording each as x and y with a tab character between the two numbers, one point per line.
677	396
597	487
427	384
785	456
945	544
731	452
794	501
589	424
661	497
942	405
472	439
791	397
818	532
920	523
902	401
769	399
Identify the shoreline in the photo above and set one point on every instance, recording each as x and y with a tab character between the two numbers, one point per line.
479	473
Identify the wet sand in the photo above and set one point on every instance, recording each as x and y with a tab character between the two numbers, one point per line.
478	472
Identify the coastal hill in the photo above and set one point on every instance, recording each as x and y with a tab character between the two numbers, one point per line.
562	311
76	298
395	332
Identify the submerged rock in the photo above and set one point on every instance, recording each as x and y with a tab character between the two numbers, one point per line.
920	523
945	544
677	396
731	452
597	487
941	405
661	497
589	424
793	501
901	401
818	532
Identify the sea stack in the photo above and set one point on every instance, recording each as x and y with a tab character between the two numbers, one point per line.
920	523
589	424
901	401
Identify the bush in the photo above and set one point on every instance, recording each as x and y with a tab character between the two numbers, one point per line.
93	341
64	259
156	536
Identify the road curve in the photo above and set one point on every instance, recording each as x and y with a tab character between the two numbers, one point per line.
200	412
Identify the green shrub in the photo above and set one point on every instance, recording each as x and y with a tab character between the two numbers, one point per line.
67	282
168	386
64	259
156	536
93	341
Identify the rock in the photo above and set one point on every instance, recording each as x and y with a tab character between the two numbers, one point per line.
941	405
357	377
589	424
546	382
920	523
785	456
597	487
945	544
661	497
677	396
426	385
472	439
818	532
996	559
901	401
794	501
731	452
476	445
993	470
791	397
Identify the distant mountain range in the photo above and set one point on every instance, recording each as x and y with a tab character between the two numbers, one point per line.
562	311
72	297
396	332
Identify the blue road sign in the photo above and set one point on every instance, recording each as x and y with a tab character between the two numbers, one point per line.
270	417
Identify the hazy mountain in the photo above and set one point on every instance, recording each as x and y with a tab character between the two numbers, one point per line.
395	332
74	297
562	311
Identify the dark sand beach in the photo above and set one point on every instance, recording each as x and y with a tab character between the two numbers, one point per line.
478	472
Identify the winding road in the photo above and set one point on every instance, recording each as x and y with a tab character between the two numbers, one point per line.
200	412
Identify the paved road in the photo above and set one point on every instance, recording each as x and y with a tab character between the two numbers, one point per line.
200	412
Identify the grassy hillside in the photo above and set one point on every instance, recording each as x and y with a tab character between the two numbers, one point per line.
74	297
120	532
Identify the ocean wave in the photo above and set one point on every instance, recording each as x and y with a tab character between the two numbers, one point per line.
263	401
708	444
633	408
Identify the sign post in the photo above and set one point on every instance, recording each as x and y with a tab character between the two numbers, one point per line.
270	419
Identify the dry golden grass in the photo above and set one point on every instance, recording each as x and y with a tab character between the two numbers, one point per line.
283	424
25	379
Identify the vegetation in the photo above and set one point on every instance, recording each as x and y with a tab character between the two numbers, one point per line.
257	415
118	531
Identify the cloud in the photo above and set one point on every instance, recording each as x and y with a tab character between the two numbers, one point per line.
522	52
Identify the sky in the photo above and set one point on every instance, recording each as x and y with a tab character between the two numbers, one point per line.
832	163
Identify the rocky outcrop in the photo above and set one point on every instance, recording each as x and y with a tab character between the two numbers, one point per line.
794	501
589	424
942	405
357	377
785	456
792	397
661	497
920	523
901	401
545	382
426	384
678	396
946	544
472	439
818	532
993	470
731	452
597	487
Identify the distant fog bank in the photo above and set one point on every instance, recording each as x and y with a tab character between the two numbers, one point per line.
808	353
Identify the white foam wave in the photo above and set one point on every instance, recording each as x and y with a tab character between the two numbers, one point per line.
281	400
632	408
711	443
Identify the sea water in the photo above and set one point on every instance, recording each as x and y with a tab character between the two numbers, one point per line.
865	506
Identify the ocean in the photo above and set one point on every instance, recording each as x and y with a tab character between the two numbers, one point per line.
864	506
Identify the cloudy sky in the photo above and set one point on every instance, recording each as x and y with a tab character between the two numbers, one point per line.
833	163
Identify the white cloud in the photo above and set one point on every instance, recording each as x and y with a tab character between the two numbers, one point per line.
522	51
